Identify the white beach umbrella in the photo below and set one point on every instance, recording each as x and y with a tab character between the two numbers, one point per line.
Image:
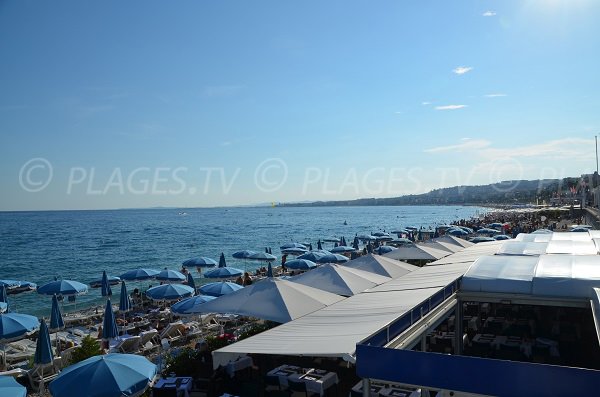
270	299
340	280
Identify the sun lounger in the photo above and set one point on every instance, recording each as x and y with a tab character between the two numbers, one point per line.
41	375
64	360
149	341
173	332
127	345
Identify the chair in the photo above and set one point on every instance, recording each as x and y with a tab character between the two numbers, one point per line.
299	386
41	375
129	345
149	340
173	332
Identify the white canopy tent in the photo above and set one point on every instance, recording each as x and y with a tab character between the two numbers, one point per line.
565	276
461	242
270	299
340	280
417	252
381	265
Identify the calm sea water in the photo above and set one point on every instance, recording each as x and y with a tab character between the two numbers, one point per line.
79	245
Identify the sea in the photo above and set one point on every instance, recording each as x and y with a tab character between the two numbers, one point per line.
78	245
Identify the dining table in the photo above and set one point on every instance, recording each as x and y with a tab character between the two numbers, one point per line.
183	384
316	380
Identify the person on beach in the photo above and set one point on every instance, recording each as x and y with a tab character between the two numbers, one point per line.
184	271
247	279
239	280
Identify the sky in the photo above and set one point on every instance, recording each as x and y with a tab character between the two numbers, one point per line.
136	104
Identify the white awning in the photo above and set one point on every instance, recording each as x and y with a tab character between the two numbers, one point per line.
512	247
572	247
381	265
340	280
505	274
571	276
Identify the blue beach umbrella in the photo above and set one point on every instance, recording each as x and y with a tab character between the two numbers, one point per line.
481	239
342	248
332	258
107	375
269	270
384	249
190	303
109	324
222	262
312	256
63	287
263	256
9	387
245	254
223	272
300	264
219	288
294	251
201	261
355	244
15	325
501	237
106	291
191	282
170	276
319	245
43	348
140	274
170	292
579	229
124	300
457	232
56	318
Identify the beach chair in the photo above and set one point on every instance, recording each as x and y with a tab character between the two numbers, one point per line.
128	345
41	375
194	330
64	360
149	341
173	332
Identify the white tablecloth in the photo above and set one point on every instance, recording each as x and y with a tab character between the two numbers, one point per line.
185	387
238	365
316	381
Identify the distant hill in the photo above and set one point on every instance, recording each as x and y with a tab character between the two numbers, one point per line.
506	192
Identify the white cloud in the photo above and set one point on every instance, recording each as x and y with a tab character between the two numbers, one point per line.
466	145
489	13
450	107
462	69
494	95
399	112
425	103
570	149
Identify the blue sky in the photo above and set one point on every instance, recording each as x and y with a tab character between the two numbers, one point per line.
144	103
